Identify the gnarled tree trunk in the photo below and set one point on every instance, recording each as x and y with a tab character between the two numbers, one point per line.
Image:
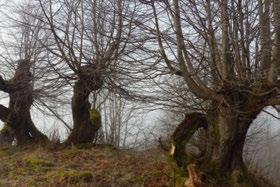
182	135
223	161
84	127
7	136
226	129
17	117
20	118
21	99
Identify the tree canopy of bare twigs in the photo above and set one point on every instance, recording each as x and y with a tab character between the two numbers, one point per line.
227	54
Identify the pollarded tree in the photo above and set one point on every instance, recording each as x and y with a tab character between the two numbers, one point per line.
21	43
88	38
30	81
17	116
228	53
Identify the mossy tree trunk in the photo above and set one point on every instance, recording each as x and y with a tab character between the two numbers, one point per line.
17	116
182	135
85	124
223	160
7	135
21	99
226	128
20	117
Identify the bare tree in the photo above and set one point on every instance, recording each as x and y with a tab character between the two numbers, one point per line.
17	116
88	38
120	119
20	87
227	53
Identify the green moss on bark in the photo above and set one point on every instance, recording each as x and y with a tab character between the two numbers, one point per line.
95	117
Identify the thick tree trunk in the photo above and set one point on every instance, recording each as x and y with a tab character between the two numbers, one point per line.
223	160
85	125
7	136
24	128
21	99
226	132
182	135
17	116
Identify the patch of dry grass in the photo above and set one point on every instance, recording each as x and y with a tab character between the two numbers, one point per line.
97	166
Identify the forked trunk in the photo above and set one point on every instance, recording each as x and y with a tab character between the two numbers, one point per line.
182	135
222	162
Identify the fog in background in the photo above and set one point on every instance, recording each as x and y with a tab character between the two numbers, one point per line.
145	126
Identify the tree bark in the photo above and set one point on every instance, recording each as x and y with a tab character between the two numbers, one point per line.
85	122
182	135
226	128
21	99
223	161
7	135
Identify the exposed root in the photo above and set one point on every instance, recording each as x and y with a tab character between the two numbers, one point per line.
194	178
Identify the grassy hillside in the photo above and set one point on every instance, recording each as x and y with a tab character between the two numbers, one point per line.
96	166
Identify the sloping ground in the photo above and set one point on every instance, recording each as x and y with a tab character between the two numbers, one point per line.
100	166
